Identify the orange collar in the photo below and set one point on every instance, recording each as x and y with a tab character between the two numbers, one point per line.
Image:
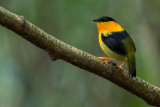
110	26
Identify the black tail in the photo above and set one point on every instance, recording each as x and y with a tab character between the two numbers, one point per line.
132	65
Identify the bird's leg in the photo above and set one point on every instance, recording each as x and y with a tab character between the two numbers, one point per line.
106	58
121	66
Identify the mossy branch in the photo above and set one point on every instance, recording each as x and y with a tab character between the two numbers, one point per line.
60	50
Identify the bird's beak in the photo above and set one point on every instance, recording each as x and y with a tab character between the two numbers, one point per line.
95	20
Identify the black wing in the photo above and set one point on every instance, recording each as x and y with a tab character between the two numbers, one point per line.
114	42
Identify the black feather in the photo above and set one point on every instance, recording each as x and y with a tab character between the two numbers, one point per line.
114	42
104	19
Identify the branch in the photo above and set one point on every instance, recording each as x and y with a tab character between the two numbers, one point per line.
60	50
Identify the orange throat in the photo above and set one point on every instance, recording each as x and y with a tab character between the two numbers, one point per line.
110	26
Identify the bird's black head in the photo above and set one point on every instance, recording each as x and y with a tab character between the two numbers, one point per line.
103	19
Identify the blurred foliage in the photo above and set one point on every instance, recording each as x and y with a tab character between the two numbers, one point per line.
28	78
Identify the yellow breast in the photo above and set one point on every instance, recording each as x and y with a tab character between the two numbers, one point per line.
109	52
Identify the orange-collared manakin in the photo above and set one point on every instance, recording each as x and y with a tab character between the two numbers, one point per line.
116	43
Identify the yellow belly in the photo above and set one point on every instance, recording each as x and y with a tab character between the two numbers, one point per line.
110	53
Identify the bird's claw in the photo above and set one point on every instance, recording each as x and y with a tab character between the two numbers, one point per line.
121	67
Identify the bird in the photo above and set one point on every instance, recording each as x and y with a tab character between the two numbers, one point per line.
116	43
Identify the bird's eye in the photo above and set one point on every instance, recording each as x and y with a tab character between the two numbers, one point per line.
104	19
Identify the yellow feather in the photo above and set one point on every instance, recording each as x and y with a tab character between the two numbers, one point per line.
109	52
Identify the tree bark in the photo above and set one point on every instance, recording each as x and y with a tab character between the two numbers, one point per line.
60	50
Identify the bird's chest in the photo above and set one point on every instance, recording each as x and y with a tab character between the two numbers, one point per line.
109	52
102	45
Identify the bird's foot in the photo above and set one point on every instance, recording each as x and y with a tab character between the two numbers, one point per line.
121	66
106	58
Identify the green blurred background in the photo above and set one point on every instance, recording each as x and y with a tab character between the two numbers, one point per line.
28	78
